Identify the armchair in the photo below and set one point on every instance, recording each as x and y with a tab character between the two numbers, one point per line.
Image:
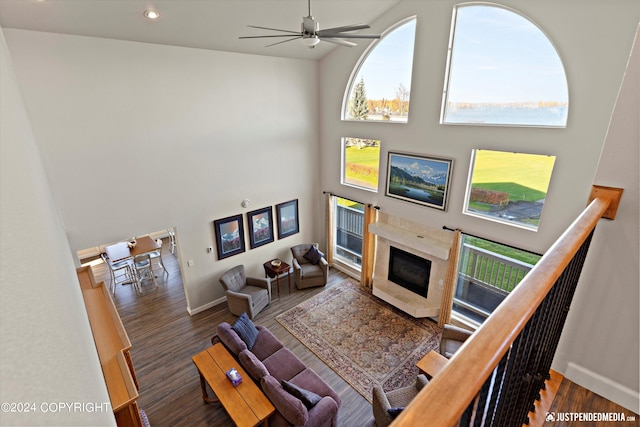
245	294
397	399
452	339
309	266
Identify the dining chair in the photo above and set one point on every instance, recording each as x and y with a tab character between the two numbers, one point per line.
157	256
121	272
143	269
172	239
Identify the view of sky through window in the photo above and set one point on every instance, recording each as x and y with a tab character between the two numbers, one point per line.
382	85
503	70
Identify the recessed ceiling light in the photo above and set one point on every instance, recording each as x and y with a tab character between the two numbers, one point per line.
151	14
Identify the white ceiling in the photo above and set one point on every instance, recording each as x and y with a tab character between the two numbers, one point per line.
204	24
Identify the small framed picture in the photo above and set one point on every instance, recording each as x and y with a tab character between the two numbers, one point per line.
419	179
287	214
229	236
260	227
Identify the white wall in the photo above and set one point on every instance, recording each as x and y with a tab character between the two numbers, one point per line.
47	354
138	137
600	348
594	40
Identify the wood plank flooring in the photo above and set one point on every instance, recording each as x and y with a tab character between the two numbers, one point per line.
164	338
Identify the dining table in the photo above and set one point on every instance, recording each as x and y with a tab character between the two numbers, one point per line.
121	251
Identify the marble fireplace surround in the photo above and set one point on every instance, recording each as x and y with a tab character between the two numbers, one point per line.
423	241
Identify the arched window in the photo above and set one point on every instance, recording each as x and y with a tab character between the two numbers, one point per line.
502	70
380	86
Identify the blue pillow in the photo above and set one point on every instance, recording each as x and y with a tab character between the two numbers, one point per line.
394	412
308	398
313	255
246	330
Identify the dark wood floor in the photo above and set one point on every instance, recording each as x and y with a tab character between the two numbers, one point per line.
164	337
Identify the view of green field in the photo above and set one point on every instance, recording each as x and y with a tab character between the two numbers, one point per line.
361	165
522	176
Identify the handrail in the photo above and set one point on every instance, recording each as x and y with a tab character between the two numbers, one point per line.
446	397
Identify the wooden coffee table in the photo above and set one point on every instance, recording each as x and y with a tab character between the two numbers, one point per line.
272	271
245	404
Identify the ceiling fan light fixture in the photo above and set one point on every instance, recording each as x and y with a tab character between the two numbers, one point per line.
311	41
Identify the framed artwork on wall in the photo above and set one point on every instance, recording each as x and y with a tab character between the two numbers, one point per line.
229	236
287	214
419	179
260	227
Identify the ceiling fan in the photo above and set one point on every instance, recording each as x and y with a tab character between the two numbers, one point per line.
311	34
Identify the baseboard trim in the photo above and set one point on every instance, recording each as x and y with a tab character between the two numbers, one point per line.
615	392
206	306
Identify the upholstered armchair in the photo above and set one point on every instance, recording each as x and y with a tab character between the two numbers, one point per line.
452	339
309	266
245	294
387	405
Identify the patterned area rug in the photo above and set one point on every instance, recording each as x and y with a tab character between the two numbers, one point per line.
362	338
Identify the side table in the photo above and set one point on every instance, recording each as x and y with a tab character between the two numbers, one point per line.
432	363
272	271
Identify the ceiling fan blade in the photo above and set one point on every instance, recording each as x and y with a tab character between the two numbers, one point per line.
284	41
351	36
354	27
338	42
262	37
273	29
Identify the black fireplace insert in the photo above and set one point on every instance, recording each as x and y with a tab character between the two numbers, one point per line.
409	271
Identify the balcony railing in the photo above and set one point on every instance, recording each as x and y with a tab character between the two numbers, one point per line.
349	228
485	278
494	378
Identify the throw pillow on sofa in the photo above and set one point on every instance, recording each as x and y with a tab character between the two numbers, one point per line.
308	398
291	408
246	330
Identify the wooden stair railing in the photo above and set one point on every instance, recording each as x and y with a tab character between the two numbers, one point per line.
495	377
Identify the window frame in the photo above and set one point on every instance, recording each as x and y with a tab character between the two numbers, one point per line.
467	195
448	70
343	164
351	82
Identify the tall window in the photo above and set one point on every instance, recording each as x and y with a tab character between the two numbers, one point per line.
380	89
508	187
502	70
361	162
487	273
349	223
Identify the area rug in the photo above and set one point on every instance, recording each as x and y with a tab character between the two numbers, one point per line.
362	338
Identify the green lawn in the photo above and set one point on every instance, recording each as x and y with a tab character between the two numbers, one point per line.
362	166
523	176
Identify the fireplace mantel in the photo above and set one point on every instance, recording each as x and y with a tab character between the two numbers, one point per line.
418	242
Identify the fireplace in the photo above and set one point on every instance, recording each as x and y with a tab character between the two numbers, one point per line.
409	271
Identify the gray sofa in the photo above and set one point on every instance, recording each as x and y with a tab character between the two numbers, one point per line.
269	363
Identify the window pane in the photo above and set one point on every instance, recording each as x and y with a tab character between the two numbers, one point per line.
349	224
503	70
361	161
380	89
509	187
487	273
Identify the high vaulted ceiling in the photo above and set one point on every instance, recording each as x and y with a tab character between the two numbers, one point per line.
204	24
